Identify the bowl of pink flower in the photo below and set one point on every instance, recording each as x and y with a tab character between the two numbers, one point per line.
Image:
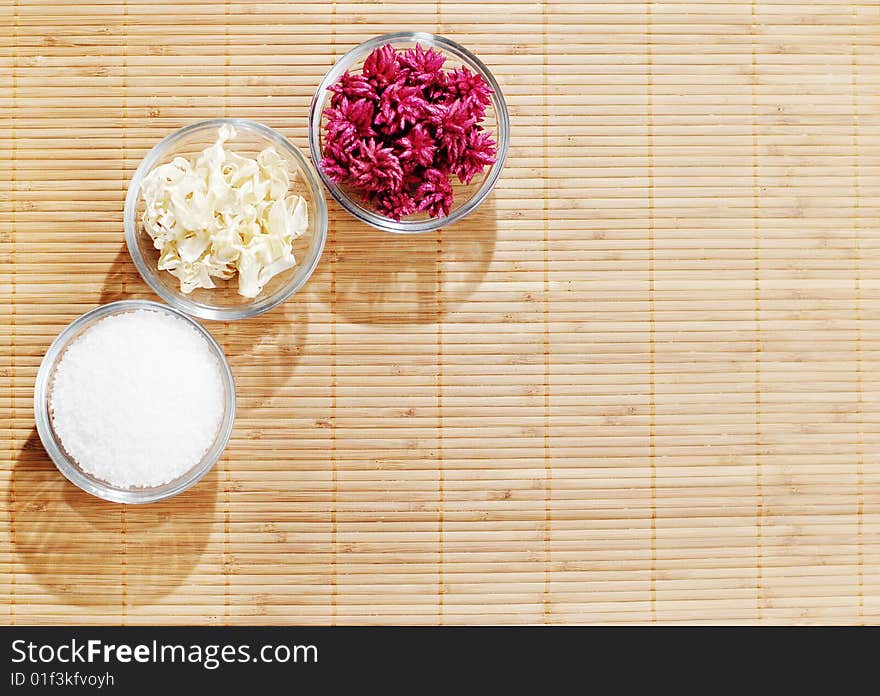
409	132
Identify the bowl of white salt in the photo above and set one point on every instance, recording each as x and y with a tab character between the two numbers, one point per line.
134	402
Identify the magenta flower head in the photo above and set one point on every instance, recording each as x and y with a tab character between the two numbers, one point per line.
418	146
396	205
382	66
453	118
352	87
453	123
470	88
374	168
358	114
423	66
401	128
336	170
401	105
479	152
434	195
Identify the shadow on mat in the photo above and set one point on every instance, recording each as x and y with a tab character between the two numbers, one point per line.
90	552
123	282
384	278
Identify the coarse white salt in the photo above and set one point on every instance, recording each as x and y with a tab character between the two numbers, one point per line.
137	398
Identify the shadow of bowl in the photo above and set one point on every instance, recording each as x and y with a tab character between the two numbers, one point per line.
123	282
264	351
89	552
374	277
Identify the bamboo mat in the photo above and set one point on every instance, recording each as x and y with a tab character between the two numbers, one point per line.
640	384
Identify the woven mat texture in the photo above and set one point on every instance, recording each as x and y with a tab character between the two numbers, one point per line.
639	384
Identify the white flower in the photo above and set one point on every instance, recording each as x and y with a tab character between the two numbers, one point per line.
222	215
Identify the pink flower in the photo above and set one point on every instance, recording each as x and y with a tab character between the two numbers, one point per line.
395	205
453	123
334	169
437	92
471	88
423	66
375	168
350	119
353	87
478	153
398	131
340	146
434	195
417	146
413	178
382	66
400	105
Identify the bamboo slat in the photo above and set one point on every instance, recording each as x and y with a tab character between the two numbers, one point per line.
640	384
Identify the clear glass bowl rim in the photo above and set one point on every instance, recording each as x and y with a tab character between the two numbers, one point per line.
502	119
303	271
53	447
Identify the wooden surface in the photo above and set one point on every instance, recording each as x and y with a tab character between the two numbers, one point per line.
641	384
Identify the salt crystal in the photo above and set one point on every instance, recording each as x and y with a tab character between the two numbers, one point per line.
137	399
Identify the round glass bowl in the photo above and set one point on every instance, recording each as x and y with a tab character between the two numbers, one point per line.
466	196
68	466
223	302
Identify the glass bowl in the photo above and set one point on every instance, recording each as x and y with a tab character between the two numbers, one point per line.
223	302
68	466
466	196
